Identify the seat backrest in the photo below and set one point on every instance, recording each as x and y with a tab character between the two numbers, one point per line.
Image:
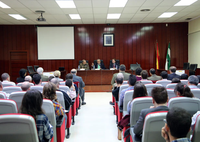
44	82
36	67
146	81
150	87
122	87
193	67
6	84
64	88
186	66
184	81
60	98
127	97
10	89
2	95
17	97
20	84
18	127
196	92
196	132
171	93
137	105
30	69
152	127
62	83
171	85
192	105
48	108
8	106
39	88
163	82
125	82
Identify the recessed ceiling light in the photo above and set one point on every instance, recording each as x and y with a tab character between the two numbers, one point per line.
66	3
167	14
188	18
74	16
3	5
185	2
17	16
117	3
113	16
145	10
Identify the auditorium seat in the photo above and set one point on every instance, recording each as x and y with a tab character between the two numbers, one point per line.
17	97
198	85
62	83
171	85
39	88
2	95
60	98
127	97
150	87
64	88
152	128
10	89
7	84
186	66
196	92
20	84
36	67
8	106
18	127
146	81
184	81
196	132
125	82
171	93
44	82
163	82
192	105
77	98
30	70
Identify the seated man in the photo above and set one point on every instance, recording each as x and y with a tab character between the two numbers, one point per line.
28	78
184	76
144	75
84	65
81	83
172	74
98	65
164	75
115	92
40	72
160	99
131	82
153	76
177	126
6	79
114	64
176	80
25	86
37	79
193	82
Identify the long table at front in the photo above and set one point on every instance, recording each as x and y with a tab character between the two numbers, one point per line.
97	80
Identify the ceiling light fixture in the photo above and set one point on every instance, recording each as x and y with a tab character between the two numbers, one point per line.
117	3
74	16
66	3
185	2
113	16
167	14
145	10
17	16
3	5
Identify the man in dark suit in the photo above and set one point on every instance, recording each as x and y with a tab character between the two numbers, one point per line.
160	99
172	74
81	83
98	65
114	64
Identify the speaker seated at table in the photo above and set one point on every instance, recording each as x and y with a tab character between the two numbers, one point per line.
98	64
114	64
83	64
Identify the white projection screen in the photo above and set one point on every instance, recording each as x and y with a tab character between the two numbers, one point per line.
55	43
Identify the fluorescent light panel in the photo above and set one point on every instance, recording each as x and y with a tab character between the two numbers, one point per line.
185	2
113	16
117	3
66	3
3	5
74	16
17	16
167	14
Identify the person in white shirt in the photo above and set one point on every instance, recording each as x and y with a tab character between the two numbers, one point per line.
72	91
6	79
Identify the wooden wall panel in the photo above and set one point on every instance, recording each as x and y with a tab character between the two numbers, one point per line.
133	43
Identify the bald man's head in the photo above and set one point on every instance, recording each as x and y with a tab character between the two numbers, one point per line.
28	78
73	71
25	86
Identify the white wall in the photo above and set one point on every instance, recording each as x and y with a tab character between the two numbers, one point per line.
194	42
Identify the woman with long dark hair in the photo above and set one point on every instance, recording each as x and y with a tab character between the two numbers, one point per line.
32	105
183	90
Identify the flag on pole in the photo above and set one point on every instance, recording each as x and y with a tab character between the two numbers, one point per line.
168	60
157	56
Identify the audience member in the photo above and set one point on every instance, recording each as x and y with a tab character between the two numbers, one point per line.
177	126
98	65
28	78
115	91
183	90
194	118
198	77
138	73
153	76
114	64
57	75
40	72
122	69
66	97
81	84
160	99
184	76
176	80
72	93
84	65
193	82
6	79
37	79
191	72
25	86
32	105
164	75
50	78
172	74
131	82
70	76
22	74
144	75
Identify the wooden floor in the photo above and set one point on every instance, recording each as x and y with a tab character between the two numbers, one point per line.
98	88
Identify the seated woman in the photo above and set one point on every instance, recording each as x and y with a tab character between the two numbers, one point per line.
32	105
72	93
22	74
183	90
57	75
138	73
